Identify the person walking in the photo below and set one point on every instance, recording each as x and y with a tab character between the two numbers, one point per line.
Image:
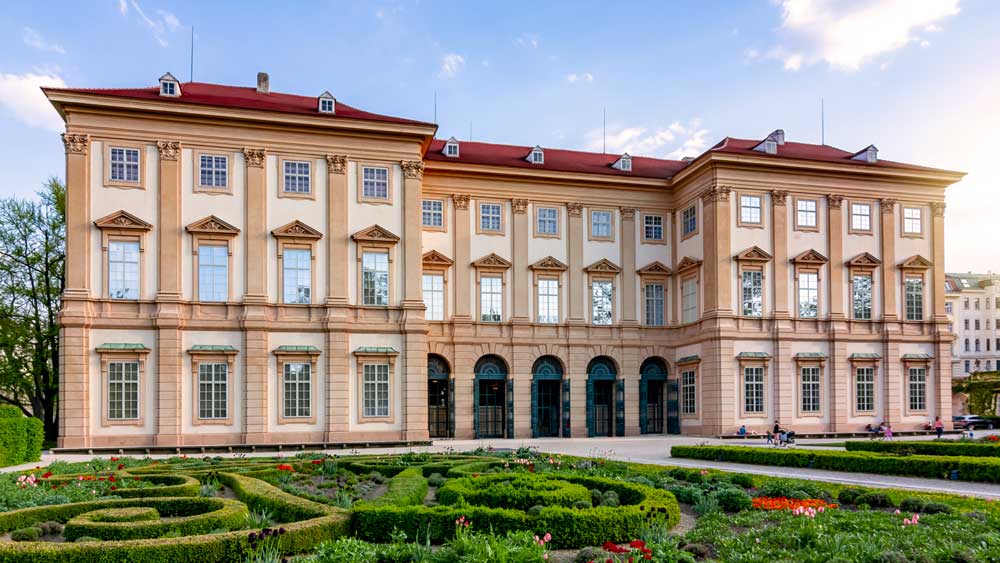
775	432
938	427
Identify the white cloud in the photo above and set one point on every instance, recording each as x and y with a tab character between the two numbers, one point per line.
20	95
529	40
847	34
169	19
35	40
573	77
163	22
123	7
450	65
673	141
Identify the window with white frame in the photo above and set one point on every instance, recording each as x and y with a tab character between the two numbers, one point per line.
864	393
861	217
808	295
861	290
213	171
123	390
213	272
432	213
913	220
537	157
689	220
689	300
124	165
213	390
297	176
491	299
375	278
652	227
810	376
750	209
123	269
434	296
168	88
490	218
689	392
600	224
805	211
548	300
374	182
918	388
654	296
297	390
753	293
548	221
326	105
915	299
968	364
949	308
602	293
451	149
753	389
375	390
297	275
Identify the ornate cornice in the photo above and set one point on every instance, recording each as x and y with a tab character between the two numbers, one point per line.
574	209
520	205
212	225
76	143
122	220
336	163
779	197
628	213
461	201
169	150
834	201
297	229
712	195
413	169
255	157
937	209
887	205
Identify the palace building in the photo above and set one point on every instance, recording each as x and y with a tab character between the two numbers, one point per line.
246	267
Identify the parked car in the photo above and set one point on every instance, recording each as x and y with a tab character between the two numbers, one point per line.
971	422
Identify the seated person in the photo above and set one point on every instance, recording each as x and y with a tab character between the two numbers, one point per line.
742	431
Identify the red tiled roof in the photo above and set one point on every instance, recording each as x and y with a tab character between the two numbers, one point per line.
513	156
218	95
805	151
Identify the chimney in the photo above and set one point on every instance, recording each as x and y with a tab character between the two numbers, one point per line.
263	83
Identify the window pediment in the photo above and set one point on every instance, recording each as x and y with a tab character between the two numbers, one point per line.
864	259
915	262
687	263
603	266
753	254
435	258
492	260
810	256
297	229
122	220
655	268
375	233
212	225
550	264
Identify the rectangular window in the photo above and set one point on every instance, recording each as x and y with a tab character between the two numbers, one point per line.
214	171
918	389
689	220
375	383
297	275
548	221
600	224
654	304
548	301
375	278
326	106
977	303
603	297
374	182
805	213
297	176
434	296
123	390
861	217
489	217
652	227
948	308
491	299
977	324
968	366
966	323
213	273
213	390
810	389
808	295
912	221
753	293
297	390
689	300
689	392
750	209
915	299
433	213
123	269
753	390
124	165
864	381
861	288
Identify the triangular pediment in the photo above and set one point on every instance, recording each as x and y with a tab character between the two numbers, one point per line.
435	258
297	229
549	263
915	262
212	225
122	219
603	265
492	260
754	254
654	269
864	259
810	257
688	263
375	233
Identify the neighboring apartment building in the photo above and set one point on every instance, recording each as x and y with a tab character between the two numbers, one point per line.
972	302
249	267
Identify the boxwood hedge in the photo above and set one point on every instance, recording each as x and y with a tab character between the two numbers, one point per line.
192	517
407	487
519	491
20	437
936	447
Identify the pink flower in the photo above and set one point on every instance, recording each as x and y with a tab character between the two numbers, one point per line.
548	537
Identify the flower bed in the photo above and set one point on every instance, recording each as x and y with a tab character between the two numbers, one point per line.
783	503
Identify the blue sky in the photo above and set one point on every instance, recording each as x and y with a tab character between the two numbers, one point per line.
916	77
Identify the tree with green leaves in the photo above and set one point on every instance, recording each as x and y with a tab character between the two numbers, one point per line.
32	266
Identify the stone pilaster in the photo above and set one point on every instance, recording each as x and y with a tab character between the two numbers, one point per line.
717	284
890	309
74	386
415	385
579	357
415	353
577	287
338	373
256	231
629	309
522	361
338	237
169	380
78	224
169	228
779	233
721	379
630	373
942	357
835	238
783	374
892	381
519	271
255	401
255	337
674	281
463	366
413	179
839	382
463	265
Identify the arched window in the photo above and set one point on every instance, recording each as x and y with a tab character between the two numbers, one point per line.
491	367
437	367
547	367
602	367
653	368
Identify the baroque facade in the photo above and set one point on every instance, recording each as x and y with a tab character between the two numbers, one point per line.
972	303
250	267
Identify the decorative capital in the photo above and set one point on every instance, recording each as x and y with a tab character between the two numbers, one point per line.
255	157
461	201
169	150
779	197
937	209
520	205
712	195
628	213
413	169
336	163
76	143
834	201
574	209
887	205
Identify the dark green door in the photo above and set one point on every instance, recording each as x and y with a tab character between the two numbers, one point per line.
654	407
438	408
673	411
547	403
604	411
491	411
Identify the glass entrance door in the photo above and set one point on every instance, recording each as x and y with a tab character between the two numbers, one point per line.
549	391
654	407
604	400
437	407
492	404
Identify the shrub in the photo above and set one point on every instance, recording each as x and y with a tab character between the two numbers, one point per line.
133	514
581	504
188	517
741	480
595	497
733	500
436	480
874	500
917	504
537	509
933	448
407	487
51	528
610	498
589	554
707	505
850	494
26	534
518	491
21	437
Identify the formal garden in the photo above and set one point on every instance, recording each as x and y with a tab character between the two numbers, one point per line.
484	506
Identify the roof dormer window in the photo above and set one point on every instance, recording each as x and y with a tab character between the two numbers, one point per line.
169	86
536	156
770	144
868	154
327	103
451	148
624	163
